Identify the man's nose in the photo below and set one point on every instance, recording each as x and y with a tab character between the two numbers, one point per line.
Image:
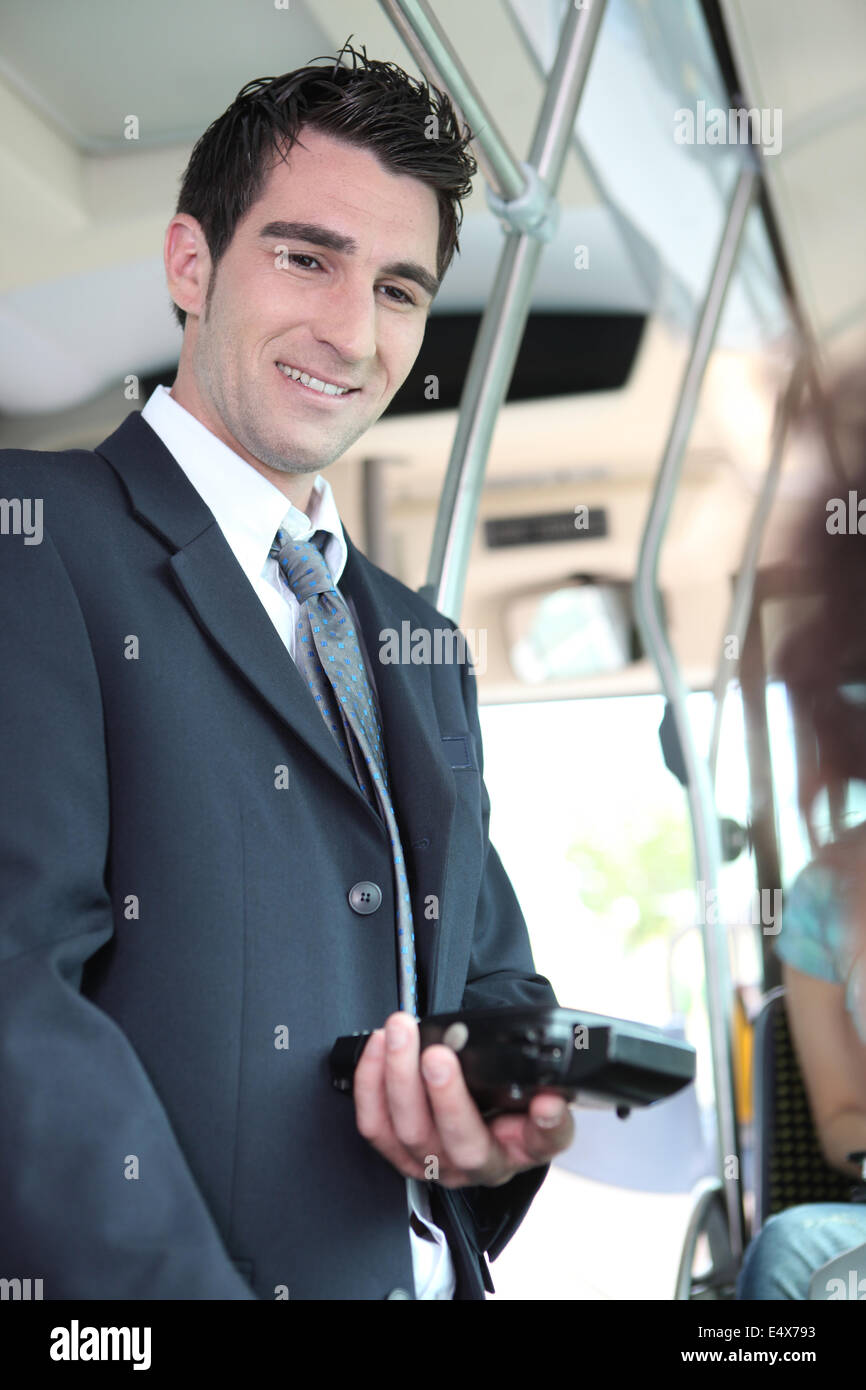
346	321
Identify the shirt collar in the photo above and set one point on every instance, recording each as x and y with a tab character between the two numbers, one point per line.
247	507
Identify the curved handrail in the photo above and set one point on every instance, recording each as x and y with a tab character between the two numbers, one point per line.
648	612
741	600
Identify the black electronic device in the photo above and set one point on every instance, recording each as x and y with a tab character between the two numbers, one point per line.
509	1054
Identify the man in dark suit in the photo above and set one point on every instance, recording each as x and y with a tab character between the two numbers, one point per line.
197	895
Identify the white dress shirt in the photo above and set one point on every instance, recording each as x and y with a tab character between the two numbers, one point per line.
249	510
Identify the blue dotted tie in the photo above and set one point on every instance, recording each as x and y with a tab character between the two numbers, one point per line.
329	657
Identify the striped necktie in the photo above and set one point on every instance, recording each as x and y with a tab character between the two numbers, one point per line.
329	657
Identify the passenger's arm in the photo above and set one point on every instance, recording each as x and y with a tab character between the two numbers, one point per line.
833	1062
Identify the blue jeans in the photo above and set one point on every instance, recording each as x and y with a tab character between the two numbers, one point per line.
785	1253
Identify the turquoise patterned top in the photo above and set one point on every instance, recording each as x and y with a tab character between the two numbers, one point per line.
815	937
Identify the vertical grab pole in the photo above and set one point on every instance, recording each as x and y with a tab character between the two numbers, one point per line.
648	611
505	314
741	602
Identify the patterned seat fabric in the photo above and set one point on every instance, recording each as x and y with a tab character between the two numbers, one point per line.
794	1170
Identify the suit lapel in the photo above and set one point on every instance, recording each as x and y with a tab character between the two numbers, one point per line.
215	586
228	608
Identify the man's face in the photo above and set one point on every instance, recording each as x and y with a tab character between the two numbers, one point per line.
341	303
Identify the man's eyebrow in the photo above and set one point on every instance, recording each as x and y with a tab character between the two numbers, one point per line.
309	231
336	241
411	270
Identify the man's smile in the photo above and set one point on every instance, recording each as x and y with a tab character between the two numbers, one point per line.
328	390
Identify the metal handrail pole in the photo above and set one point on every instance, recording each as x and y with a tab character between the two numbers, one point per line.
741	600
648	612
431	48
824	415
503	322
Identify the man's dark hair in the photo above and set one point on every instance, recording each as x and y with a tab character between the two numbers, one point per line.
410	127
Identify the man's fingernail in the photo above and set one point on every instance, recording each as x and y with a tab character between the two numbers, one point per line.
550	1121
395	1036
436	1073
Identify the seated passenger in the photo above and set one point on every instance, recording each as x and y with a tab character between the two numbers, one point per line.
822	974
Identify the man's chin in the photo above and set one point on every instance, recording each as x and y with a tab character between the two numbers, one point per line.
284	457
309	456
295	467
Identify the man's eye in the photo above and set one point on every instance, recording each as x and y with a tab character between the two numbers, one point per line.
404	297
298	258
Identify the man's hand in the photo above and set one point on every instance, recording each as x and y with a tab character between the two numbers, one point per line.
413	1111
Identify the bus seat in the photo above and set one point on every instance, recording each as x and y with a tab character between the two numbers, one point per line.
790	1168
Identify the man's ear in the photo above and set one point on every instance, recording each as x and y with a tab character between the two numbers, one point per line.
187	263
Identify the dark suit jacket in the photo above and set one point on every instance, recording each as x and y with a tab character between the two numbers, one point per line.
167	909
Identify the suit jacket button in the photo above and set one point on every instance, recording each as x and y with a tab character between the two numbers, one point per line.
399	1293
365	897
